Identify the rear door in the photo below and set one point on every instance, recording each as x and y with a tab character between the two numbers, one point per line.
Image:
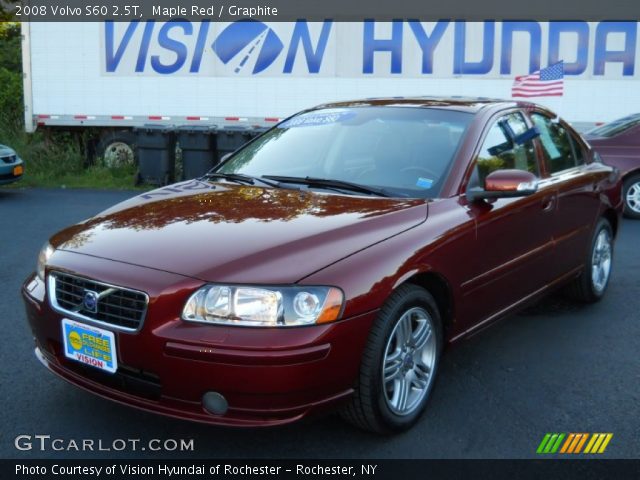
575	182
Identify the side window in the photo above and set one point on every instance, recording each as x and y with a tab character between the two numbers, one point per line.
556	144
499	152
577	150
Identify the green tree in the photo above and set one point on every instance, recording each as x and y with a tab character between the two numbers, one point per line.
6	9
11	104
10	50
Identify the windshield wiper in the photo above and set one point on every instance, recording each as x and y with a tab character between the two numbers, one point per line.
331	183
241	178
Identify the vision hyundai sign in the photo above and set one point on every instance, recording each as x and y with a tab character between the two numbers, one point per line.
588	50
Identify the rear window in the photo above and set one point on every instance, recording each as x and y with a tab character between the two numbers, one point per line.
616	127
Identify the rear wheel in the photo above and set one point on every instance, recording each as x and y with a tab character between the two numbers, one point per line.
592	283
631	194
399	363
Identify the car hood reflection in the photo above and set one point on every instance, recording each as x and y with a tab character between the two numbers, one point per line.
231	233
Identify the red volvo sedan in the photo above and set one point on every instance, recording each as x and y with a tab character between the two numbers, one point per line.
327	262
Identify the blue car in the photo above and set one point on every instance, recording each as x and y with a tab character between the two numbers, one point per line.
11	166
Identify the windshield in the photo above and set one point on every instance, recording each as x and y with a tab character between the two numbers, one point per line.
406	151
616	127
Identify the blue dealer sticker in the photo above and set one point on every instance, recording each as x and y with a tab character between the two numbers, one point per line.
318	118
424	183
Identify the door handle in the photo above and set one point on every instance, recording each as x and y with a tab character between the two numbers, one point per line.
548	203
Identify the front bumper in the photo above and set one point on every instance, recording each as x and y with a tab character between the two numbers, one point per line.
268	376
11	171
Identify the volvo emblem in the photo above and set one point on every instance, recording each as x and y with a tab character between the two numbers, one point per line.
90	301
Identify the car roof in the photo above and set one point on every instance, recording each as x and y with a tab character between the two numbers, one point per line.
466	104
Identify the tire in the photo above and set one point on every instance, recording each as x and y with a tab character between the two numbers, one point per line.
592	283
117	149
376	405
631	197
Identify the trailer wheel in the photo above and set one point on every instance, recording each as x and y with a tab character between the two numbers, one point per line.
117	149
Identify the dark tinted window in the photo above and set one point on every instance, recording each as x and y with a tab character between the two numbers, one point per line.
556	144
405	150
499	152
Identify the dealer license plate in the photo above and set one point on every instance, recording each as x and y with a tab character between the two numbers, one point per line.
89	345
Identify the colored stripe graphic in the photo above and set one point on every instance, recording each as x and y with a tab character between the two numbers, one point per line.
577	441
581	443
598	443
605	443
572	443
566	445
556	445
550	443
543	443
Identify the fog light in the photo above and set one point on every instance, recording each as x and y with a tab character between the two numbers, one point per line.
215	403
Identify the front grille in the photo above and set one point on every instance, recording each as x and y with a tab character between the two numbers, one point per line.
8	159
115	306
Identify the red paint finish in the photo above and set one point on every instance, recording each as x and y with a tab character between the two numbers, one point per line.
508	180
481	259
257	235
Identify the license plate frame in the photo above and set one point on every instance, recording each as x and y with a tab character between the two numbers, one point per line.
89	345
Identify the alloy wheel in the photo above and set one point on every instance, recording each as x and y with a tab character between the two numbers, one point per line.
601	261
633	197
409	361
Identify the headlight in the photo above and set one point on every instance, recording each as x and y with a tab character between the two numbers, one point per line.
264	306
45	253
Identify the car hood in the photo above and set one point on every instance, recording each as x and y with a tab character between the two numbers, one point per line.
226	232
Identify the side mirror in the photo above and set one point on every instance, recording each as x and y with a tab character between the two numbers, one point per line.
225	156
505	184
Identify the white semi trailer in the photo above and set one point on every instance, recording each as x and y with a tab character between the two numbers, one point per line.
115	76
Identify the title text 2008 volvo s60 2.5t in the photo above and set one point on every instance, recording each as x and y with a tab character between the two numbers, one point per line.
326	263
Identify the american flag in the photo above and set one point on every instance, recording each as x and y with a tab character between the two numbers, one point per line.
548	82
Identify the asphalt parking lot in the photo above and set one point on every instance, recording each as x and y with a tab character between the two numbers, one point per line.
558	367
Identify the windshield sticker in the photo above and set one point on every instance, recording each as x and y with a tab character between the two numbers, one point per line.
318	118
424	182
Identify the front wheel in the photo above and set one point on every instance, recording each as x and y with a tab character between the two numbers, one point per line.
592	283
631	193
399	364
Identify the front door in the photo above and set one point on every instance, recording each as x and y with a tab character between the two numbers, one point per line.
514	235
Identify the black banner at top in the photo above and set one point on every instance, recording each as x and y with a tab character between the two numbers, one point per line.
318	10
